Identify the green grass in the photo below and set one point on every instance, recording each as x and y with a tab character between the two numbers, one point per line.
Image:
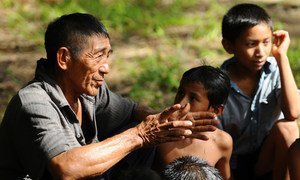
159	75
294	57
153	78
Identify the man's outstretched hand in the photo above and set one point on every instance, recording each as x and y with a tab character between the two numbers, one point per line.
175	123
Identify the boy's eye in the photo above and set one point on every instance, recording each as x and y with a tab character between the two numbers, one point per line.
193	98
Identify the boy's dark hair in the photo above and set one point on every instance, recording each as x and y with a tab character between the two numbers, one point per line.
71	31
190	168
241	17
215	81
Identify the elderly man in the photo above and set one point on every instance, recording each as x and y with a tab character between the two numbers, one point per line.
67	124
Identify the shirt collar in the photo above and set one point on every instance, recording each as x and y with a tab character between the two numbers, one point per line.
50	85
269	67
55	92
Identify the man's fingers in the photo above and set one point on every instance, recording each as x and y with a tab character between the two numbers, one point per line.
203	128
169	111
180	113
170	139
197	126
184	111
176	124
189	117
178	132
206	122
203	115
199	136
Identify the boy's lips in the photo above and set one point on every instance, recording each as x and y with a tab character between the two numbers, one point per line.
259	63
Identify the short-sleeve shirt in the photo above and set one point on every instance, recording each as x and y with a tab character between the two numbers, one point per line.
39	124
249	119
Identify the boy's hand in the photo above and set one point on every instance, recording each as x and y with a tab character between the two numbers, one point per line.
280	44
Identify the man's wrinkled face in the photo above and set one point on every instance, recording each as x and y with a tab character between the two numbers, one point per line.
88	70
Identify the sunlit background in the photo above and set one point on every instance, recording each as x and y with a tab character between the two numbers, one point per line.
154	41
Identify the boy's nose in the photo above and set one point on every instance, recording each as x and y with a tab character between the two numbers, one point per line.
183	101
260	51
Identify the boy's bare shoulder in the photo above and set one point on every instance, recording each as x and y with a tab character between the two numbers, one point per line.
223	139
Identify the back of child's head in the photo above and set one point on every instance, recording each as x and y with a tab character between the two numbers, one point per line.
190	168
241	17
215	81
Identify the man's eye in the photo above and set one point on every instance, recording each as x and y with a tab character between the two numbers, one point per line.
250	44
109	53
100	55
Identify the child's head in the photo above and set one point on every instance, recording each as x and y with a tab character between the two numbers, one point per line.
205	88
190	167
241	17
247	34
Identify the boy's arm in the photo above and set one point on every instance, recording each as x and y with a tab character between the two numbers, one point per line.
223	165
290	98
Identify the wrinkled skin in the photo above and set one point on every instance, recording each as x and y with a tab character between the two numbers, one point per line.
175	123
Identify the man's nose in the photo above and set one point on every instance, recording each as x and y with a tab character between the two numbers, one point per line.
104	68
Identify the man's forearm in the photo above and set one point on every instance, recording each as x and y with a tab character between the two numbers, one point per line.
94	159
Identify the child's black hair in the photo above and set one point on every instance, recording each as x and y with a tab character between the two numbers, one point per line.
215	81
241	17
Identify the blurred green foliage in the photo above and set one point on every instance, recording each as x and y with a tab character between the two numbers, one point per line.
157	81
294	57
146	18
153	78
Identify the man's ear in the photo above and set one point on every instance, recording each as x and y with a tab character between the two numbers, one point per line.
63	56
227	45
219	110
